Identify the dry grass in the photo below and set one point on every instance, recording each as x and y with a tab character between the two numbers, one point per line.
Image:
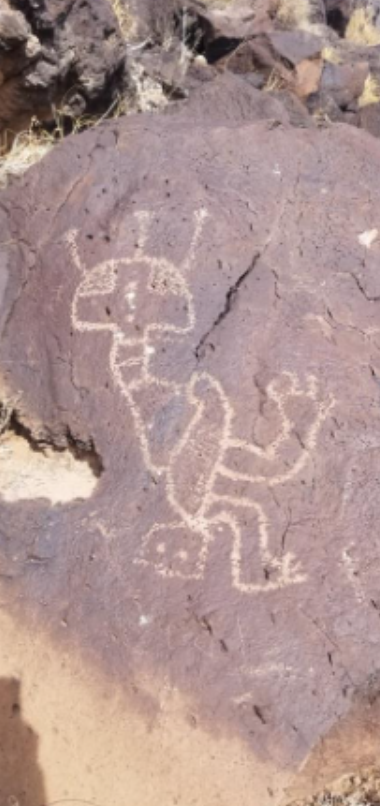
7	406
294	13
275	82
361	29
124	17
331	55
28	148
149	95
80	123
20	152
371	92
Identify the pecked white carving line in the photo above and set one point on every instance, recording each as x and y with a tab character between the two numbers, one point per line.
201	514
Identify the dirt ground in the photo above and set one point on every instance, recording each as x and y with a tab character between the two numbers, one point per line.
67	736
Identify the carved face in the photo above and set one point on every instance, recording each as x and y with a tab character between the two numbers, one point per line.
174	550
128	295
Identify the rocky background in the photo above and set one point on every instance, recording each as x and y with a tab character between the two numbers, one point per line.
190	380
319	61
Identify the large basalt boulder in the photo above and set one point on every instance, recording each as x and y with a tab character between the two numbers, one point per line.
198	305
58	54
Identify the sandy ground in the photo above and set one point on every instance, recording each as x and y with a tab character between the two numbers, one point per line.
70	737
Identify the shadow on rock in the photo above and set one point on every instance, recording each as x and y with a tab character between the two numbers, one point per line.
21	780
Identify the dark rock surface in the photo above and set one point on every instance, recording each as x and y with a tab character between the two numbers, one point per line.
218	26
58	53
229	100
344	83
369	119
294	46
196	305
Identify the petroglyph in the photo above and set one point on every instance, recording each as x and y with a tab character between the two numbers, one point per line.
200	460
350	566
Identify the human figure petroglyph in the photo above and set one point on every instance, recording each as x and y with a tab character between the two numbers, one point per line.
202	488
201	460
98	307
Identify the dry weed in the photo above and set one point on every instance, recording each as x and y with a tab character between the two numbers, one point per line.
127	22
371	92
149	95
275	82
162	21
20	152
361	29
6	410
294	13
331	55
79	123
8	404
28	148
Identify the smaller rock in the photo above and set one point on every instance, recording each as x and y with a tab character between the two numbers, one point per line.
295	46
256	80
344	82
14	30
199	74
258	54
323	107
249	56
298	114
351	118
169	67
308	77
229	101
155	21
226	26
369	119
42	76
50	51
17	44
